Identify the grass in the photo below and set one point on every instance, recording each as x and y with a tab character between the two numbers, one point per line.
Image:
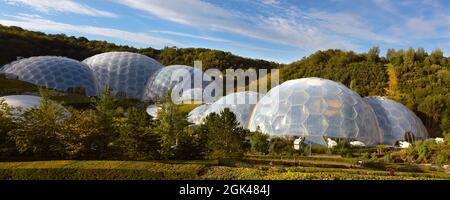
298	169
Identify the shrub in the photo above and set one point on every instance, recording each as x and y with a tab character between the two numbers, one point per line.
259	142
38	131
137	139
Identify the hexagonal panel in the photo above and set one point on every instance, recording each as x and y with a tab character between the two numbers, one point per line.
53	72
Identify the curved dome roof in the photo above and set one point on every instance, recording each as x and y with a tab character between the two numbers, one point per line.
21	103
396	120
315	108
240	103
170	77
126	73
58	73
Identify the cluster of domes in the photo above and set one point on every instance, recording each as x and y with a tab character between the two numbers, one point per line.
313	109
317	110
128	75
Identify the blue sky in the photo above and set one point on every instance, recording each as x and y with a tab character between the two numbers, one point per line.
277	30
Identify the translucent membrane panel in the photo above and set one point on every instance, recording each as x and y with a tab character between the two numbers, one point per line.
198	114
240	103
167	78
396	120
316	108
126	73
59	73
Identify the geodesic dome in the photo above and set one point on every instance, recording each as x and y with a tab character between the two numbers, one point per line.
240	103
396	121
126	73
173	77
59	73
316	108
24	102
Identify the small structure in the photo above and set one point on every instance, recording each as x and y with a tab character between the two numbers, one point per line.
331	143
152	110
439	140
357	144
297	143
404	144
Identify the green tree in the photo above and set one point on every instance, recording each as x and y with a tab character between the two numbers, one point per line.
260	142
137	139
171	123
105	107
225	137
6	125
82	135
38	131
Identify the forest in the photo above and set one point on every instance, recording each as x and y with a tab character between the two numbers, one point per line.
416	78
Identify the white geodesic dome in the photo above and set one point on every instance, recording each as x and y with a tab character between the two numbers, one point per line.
396	120
125	73
24	102
316	109
54	72
240	103
173	77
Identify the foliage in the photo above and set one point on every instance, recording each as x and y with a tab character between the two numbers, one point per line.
17	42
38	130
171	124
260	142
225	137
82	136
137	139
365	74
98	170
6	125
281	145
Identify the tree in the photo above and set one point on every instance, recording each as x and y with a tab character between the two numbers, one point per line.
38	131
225	137
105	108
260	142
137	139
82	135
171	123
192	144
373	55
6	125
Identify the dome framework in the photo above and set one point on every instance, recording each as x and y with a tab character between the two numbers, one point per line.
125	73
396	121
59	73
316	109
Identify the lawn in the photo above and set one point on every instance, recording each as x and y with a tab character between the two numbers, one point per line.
244	169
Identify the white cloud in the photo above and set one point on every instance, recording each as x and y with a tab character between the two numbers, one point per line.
34	22
214	39
311	30
386	6
271	2
62	6
420	27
